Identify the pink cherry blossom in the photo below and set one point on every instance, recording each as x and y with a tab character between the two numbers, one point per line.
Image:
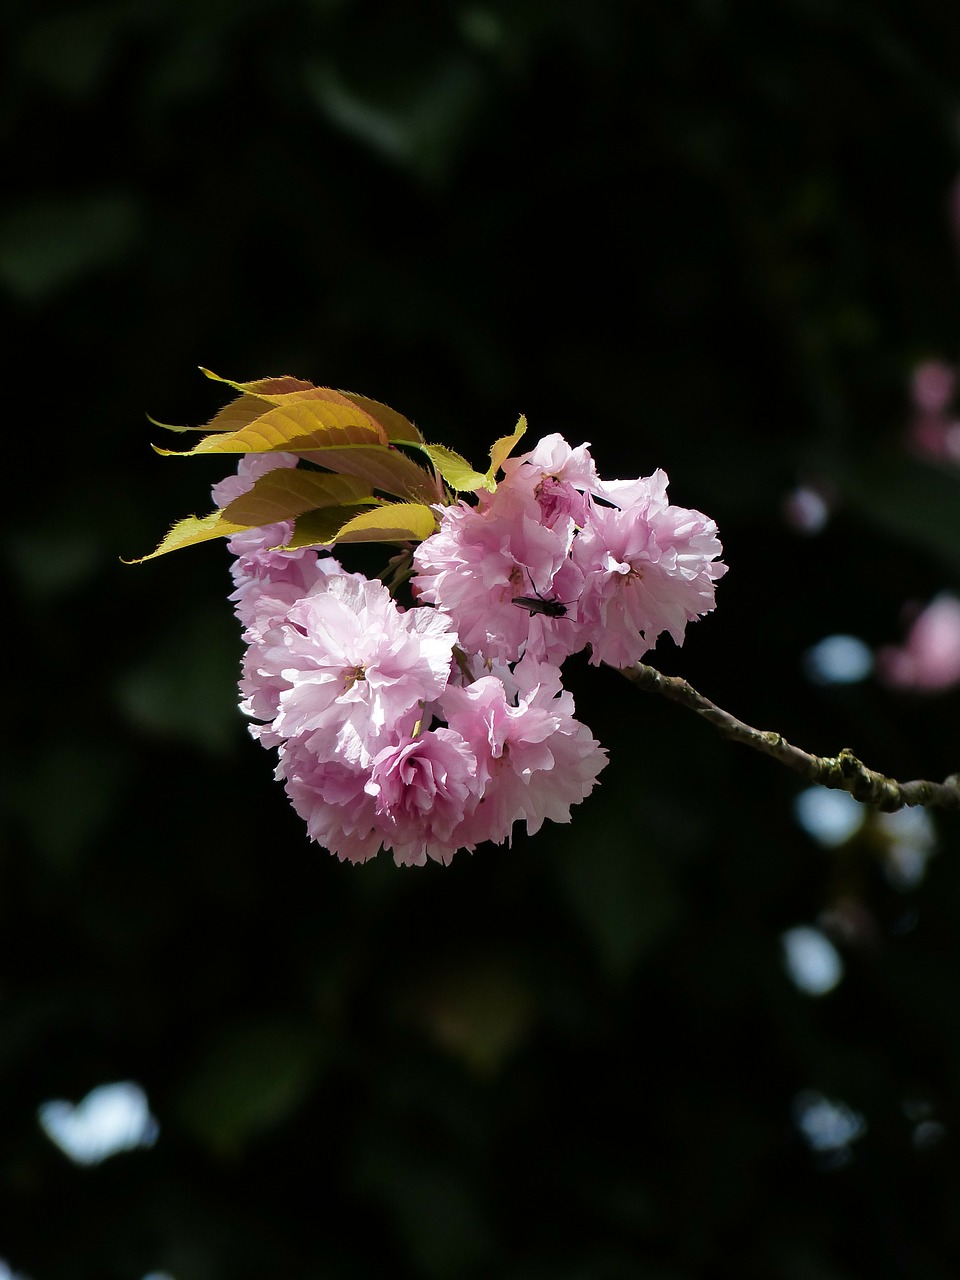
422	788
554	476
355	665
648	567
481	562
534	758
330	796
409	801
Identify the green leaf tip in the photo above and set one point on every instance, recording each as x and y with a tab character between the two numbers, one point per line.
459	474
167	426
192	530
456	471
501	449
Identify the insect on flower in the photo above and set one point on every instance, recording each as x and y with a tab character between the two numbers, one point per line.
537	604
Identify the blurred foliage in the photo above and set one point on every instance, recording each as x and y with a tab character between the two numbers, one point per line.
706	236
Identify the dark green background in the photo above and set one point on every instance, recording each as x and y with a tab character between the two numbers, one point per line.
713	237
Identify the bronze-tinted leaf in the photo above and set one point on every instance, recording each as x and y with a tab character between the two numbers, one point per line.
386	469
397	427
297	426
287	492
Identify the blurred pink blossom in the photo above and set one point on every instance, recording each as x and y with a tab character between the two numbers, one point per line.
806	509
933	385
929	659
934	431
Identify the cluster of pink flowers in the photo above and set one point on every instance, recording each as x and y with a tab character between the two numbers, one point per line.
609	564
437	727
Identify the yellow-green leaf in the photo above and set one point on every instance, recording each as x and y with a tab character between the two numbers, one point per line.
392	522
502	448
191	530
459	474
456	470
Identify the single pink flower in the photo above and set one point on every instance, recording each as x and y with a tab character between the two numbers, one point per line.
554	477
534	759
482	564
648	567
329	796
423	788
355	665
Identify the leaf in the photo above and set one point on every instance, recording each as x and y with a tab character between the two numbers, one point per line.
385	468
502	448
304	424
459	474
389	522
262	387
278	391
315	528
348	435
393	522
281	494
192	530
341	431
245	408
397	427
238	413
282	392
456	470
287	492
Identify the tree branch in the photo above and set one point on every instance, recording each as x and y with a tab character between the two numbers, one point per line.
843	772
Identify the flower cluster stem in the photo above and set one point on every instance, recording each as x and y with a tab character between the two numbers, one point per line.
843	772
